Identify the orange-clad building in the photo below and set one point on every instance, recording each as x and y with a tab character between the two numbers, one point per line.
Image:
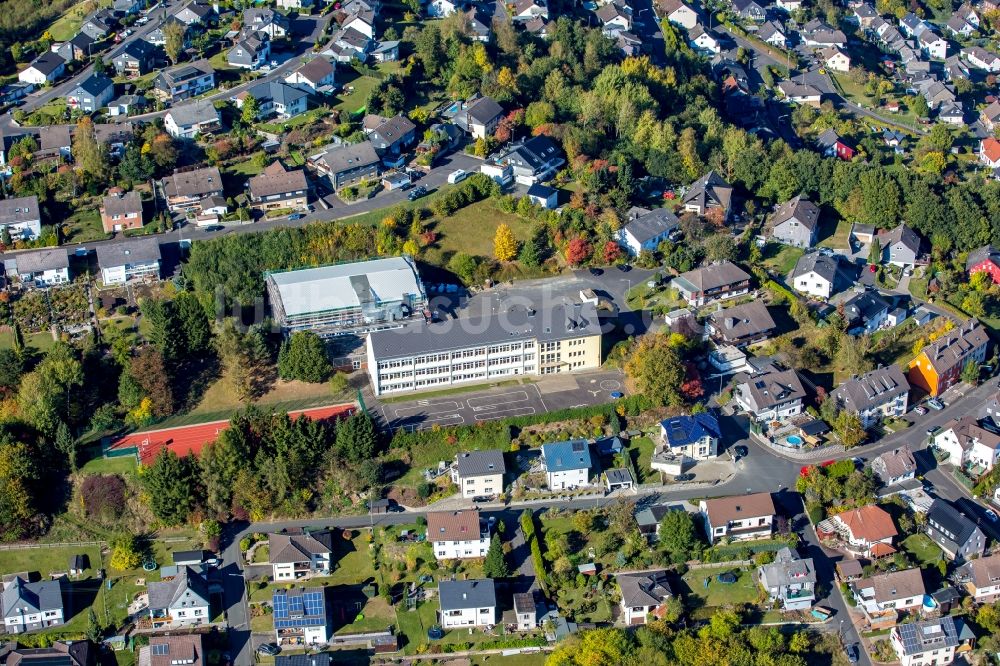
938	365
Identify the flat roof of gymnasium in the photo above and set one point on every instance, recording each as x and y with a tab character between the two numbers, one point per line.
326	288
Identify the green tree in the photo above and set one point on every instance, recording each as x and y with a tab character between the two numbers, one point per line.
172	486
89	154
875	252
250	110
356	438
848	428
303	356
193	323
94	630
677	535
136	166
66	444
173	36
495	564
657	370
970	372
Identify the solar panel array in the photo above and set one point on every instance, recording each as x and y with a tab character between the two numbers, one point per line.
305	609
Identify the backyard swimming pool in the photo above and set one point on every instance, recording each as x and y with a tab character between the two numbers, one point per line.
793	440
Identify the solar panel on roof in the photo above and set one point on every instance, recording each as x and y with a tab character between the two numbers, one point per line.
160	649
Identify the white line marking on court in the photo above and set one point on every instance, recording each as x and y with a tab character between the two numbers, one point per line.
540	399
491	401
434	408
507	413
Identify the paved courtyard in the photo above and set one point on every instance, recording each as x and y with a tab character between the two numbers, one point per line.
501	402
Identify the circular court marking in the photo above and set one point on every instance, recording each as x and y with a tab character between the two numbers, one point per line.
610	385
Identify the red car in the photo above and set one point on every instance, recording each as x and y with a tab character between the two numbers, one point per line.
872	268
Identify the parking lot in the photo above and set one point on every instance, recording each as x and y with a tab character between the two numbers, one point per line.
502	402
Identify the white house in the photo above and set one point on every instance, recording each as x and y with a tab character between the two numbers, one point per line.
679	13
363	22
789	580
695	436
316	76
816	274
42	268
867	530
968	444
467	603
21	217
772	396
982	578
646	229
298	555
300	617
567	464
876	395
133	259
456	535
479	473
30	606
894	467
189	120
739	517
644	593
933	45
704	40
182	601
836	59
890	592
980	58
46	68
927	643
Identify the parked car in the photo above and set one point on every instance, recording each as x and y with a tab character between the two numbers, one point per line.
920	409
852	653
268	649
457	176
931	431
684	477
417	192
596	271
991	515
296	216
742	451
935	404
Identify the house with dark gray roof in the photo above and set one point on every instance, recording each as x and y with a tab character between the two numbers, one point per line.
184	81
467	603
900	246
716	281
646	229
708	193
41	268
278	187
46	68
644	593
187	121
30	606
876	395
135	58
795	222
346	164
129	260
59	653
182	601
896	466
927	642
251	51
533	160
478	117
21	217
741	325
817	274
266	20
390	136
275	98
957	535
91	94
772	396
789	580
866	312
479	473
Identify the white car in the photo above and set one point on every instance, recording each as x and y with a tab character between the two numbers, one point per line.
457	176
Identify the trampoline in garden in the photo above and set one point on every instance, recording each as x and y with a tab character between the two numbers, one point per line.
726	578
149	565
435	633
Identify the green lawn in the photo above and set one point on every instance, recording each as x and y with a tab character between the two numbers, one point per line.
262	623
471	230
47	560
922	549
356	99
640	450
41	341
377	615
744	591
780	259
354	566
307	118
66	26
119	465
413	624
84	225
247	166
837	236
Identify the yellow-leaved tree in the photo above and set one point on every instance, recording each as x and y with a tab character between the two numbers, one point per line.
504	244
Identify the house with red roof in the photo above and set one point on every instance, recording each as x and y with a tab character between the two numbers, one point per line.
989	152
867	531
984	260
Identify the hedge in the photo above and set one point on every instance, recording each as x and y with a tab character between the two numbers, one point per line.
531	538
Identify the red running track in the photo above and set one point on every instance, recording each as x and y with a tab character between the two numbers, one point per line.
183	440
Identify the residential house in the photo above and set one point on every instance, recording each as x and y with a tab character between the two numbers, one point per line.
457	535
819	34
882	596
300	617
318	76
774	34
984	260
925	643
278	188
525	611
678	13
537	27
704	40
954	533
136	58
614	17
989	152
788	6
21	217
968	14
567	464
772	396
390	136
294	4
186	189
831	144
46	68
263	19
294	555
980	58
716	281
817	274
868	530
864	15
644	593
479	473
481	117
42	268
800	93
349	45
363	22
695	436
709	195
738	517
30	606
894	139
386	51
251	51
938	366
533	160
128	7
866	312
900	247
741	325
875	395
441	8
55	141
645	229
957	26
982	578
59	653
98	25
467	603
189	120
194	13
185	81
275	98
81	47
126	105
796	222
649	518
344	165
789	580
618	479
933	45
158	35
182	649
91	94
121	210
896	466
544	196
968	444
182	601
750	10
478	25
526	10
835	59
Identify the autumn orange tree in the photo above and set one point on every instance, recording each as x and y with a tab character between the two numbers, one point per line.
504	244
